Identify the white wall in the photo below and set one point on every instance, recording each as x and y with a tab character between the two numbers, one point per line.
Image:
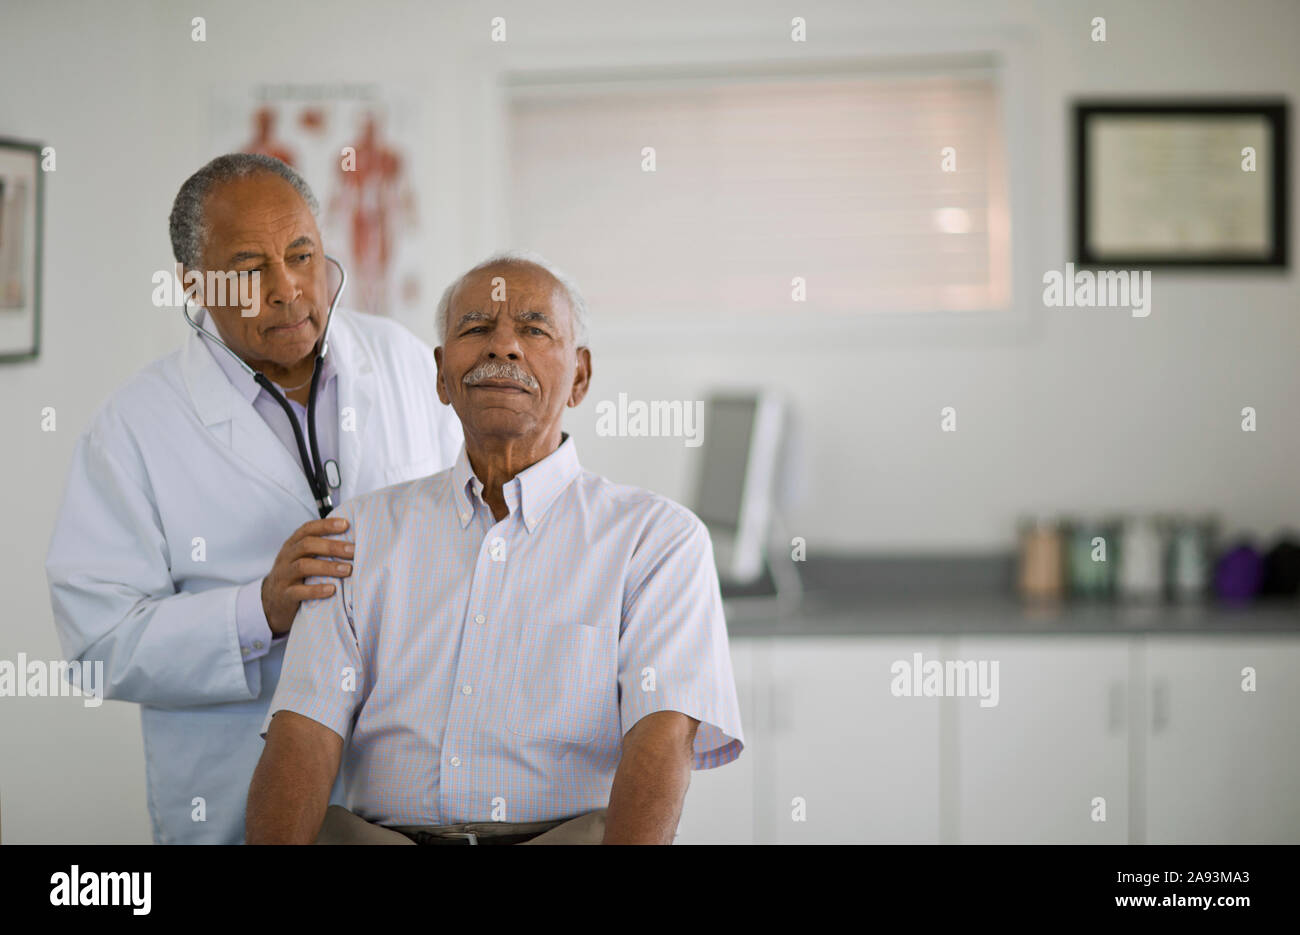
1072	410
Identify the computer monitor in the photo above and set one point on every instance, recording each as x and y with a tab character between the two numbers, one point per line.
737	482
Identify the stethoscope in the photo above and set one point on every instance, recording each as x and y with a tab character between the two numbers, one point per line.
318	475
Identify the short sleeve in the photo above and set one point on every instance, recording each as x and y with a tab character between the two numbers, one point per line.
673	653
323	676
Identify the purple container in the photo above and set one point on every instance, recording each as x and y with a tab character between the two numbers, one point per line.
1238	574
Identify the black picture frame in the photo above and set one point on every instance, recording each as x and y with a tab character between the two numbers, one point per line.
33	351
1273	110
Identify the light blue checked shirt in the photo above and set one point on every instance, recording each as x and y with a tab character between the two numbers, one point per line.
487	671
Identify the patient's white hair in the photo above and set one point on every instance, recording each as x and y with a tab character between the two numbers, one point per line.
513	257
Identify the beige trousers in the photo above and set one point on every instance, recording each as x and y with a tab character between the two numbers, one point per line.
344	827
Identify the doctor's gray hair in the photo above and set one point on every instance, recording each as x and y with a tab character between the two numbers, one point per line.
515	257
188	226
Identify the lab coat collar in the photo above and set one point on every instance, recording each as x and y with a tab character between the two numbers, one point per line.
531	491
358	376
213	395
219	402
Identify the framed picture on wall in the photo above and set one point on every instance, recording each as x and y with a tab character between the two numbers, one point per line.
1181	183
21	210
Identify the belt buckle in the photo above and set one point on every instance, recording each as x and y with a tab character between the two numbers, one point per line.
470	836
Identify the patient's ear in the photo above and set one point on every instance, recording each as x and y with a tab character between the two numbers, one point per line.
442	385
581	377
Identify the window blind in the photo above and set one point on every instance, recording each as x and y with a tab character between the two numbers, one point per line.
838	180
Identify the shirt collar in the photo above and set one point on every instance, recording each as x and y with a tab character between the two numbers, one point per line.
531	491
240	378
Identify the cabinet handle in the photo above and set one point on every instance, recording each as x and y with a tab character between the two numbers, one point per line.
1115	707
1159	705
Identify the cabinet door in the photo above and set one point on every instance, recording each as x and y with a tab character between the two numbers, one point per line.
719	806
1031	768
1223	763
843	759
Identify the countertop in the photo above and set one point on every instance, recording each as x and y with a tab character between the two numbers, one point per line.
1006	616
962	595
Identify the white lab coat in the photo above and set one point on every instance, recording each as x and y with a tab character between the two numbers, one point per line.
178	494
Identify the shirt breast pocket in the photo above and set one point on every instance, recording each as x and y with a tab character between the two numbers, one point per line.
566	682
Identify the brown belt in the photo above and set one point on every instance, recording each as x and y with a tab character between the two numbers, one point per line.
480	832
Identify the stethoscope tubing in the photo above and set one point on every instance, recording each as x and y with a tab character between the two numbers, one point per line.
308	451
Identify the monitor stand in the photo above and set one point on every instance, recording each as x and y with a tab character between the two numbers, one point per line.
776	593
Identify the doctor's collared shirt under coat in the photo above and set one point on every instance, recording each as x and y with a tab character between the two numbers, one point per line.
179	497
486	670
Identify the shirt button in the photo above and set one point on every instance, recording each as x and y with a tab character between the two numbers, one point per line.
479	618
257	644
455	761
244	650
466	690
464	517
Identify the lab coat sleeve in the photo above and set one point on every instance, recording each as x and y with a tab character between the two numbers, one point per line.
114	600
255	636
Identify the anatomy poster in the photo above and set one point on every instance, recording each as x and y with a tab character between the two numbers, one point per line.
353	143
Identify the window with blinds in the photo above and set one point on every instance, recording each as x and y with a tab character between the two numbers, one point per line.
841	181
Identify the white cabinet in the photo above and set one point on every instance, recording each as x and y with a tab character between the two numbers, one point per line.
1222	764
719	806
1157	727
1035	767
838	750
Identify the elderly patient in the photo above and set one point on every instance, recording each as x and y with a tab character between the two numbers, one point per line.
525	651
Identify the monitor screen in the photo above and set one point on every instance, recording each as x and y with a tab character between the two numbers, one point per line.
728	434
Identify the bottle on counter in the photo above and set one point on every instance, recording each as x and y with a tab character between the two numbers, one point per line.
1139	575
1090	558
1041	576
1238	573
1190	558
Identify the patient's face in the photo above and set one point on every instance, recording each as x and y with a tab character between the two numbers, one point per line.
508	364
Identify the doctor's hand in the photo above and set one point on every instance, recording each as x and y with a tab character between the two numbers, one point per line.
283	589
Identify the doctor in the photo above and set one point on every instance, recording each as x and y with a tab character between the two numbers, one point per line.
188	526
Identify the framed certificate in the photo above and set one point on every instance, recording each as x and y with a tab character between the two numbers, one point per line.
21	208
1181	183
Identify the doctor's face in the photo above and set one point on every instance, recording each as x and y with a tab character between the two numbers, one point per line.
508	364
261	224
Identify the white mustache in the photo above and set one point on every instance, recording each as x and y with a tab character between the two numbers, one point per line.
499	370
